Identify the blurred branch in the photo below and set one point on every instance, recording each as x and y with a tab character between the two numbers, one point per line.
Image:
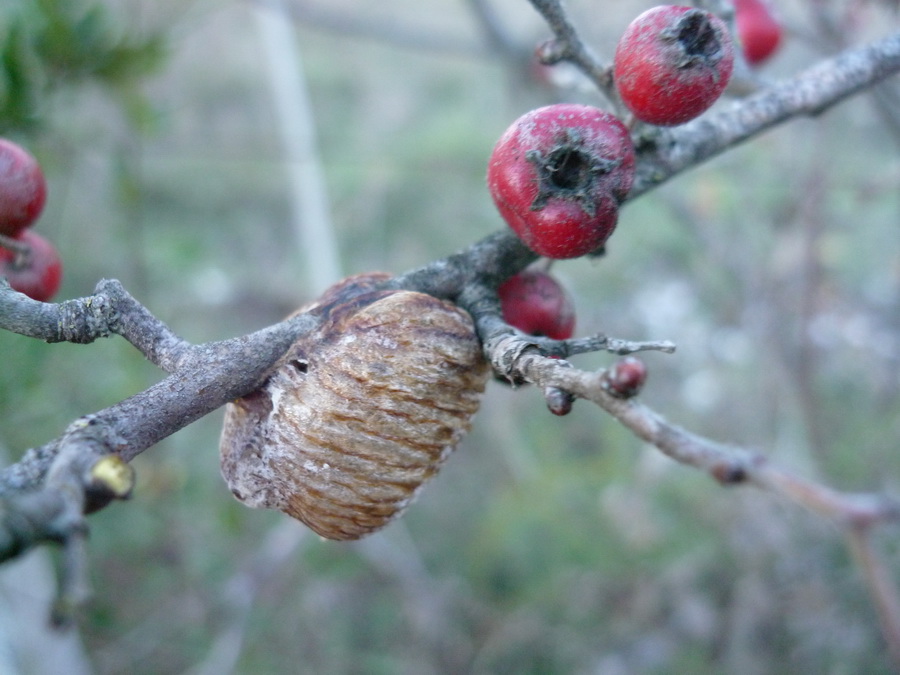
499	39
880	585
800	358
259	568
833	30
389	31
886	99
313	227
27	643
429	601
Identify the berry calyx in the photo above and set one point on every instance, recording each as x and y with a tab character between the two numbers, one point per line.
672	63
23	189
558	175
758	30
31	266
626	378
535	303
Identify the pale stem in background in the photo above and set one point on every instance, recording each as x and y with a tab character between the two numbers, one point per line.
260	568
309	196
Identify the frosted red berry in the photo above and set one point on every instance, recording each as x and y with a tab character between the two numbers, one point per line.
23	189
36	270
672	63
558	175
759	32
535	303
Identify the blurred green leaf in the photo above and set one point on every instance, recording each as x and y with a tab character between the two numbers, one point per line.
18	78
49	45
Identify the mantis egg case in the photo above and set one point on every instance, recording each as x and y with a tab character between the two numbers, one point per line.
358	413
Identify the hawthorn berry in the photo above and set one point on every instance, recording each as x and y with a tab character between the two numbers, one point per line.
23	189
672	63
35	270
535	303
758	30
626	378
558	175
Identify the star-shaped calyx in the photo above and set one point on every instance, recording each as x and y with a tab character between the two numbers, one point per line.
569	171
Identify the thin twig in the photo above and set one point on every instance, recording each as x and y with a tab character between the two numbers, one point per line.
880	585
570	47
110	310
728	464
499	39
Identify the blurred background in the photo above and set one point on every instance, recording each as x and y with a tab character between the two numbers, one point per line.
189	147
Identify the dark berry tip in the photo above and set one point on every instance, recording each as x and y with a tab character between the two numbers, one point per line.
698	38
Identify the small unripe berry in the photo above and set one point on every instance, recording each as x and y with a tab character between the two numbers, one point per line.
535	303
559	401
626	378
23	189
758	30
36	270
672	63
558	175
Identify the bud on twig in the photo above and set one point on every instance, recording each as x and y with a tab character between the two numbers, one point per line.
626	378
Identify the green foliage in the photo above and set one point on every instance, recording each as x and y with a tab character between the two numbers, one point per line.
49	44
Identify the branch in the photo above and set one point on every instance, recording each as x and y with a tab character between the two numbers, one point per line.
568	46
810	93
497	37
856	513
110	310
881	586
727	464
204	377
44	496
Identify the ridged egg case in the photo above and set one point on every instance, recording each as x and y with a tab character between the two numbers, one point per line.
359	413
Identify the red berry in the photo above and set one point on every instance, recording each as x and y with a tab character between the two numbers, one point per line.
672	64
536	304
558	175
758	30
23	189
36	272
626	378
